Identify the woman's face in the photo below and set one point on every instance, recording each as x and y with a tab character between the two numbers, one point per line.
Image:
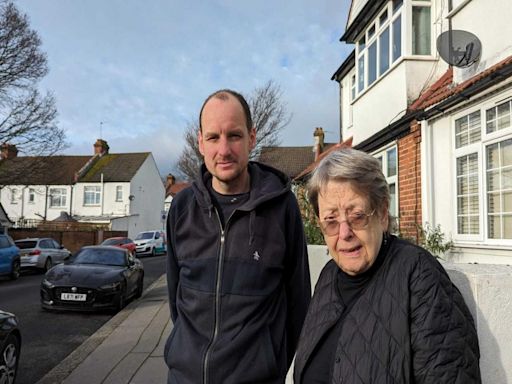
353	249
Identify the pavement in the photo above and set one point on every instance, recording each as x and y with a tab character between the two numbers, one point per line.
128	349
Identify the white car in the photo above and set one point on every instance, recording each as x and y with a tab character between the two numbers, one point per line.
150	243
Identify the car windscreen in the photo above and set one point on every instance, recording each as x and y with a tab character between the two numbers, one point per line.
144	236
25	244
112	242
100	256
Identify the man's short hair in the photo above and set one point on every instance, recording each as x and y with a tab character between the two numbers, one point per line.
223	94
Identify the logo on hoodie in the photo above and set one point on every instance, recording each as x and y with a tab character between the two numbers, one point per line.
256	256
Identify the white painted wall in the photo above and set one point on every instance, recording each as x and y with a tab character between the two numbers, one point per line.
149	193
36	210
490	22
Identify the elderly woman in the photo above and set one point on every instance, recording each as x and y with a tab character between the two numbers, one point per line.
384	310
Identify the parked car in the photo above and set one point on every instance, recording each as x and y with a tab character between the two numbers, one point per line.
96	277
9	258
10	347
41	253
150	243
123	242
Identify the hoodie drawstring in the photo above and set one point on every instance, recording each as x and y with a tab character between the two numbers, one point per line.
252	218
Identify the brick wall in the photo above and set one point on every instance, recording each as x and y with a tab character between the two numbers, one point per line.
72	240
409	179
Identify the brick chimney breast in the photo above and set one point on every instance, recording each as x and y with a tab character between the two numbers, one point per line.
319	141
8	151
101	147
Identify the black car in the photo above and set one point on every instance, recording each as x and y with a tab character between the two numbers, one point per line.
10	347
97	277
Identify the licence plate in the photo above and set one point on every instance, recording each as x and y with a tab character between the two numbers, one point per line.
73	296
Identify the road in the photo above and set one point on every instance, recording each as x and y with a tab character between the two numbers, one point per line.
47	337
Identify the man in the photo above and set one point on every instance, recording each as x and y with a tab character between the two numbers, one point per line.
237	272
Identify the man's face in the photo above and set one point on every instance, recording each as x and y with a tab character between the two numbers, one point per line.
225	143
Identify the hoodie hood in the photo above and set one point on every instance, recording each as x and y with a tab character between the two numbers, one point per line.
267	183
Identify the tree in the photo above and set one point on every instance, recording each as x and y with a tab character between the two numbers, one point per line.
269	115
27	118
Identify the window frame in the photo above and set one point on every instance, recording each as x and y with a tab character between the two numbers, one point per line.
382	153
96	193
60	196
119	193
480	148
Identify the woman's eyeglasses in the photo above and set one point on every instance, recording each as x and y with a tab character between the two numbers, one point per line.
356	221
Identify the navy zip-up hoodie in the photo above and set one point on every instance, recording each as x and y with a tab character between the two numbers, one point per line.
238	295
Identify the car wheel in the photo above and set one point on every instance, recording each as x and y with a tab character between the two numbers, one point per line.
153	252
9	360
140	287
15	273
48	264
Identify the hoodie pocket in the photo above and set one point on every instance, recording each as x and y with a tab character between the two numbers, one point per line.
169	342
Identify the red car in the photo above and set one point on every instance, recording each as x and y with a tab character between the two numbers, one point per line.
122	242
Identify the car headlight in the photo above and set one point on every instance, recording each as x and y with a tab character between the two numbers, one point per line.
116	286
45	283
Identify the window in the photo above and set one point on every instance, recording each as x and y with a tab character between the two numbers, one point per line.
14	196
483	171
119	193
58	197
92	195
499	189
379	43
421	30
498	117
31	195
384	51
388	161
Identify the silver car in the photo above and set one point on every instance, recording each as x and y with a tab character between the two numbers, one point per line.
41	253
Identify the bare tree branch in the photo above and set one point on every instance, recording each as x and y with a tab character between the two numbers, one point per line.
27	119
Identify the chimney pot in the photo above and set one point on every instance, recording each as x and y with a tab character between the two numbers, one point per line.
8	151
101	147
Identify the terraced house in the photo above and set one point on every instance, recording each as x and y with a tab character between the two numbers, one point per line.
120	190
442	127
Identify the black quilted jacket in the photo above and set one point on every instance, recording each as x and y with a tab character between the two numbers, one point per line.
411	325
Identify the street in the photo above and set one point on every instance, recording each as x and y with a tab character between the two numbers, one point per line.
48	337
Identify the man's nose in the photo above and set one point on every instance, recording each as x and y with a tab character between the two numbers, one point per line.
224	146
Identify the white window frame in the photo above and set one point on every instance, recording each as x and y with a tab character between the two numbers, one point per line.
383	154
95	191
373	39
119	193
480	148
57	194
31	196
420	4
14	196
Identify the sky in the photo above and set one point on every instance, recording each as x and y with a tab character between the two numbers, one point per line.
136	72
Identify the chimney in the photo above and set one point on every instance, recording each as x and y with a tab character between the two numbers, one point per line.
101	147
8	151
319	142
171	180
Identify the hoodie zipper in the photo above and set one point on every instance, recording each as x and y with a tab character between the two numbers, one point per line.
216	320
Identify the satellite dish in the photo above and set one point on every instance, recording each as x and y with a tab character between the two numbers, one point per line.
459	48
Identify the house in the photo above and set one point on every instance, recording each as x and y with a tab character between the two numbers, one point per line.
293	160
122	191
171	189
443	131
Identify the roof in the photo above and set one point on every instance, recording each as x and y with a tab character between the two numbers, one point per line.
40	170
61	170
289	160
115	167
307	170
175	188
345	67
443	88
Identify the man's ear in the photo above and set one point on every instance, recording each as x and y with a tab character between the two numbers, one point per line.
252	139
200	142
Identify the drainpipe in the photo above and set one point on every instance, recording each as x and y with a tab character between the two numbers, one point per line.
102	194
45	203
341	113
427	181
